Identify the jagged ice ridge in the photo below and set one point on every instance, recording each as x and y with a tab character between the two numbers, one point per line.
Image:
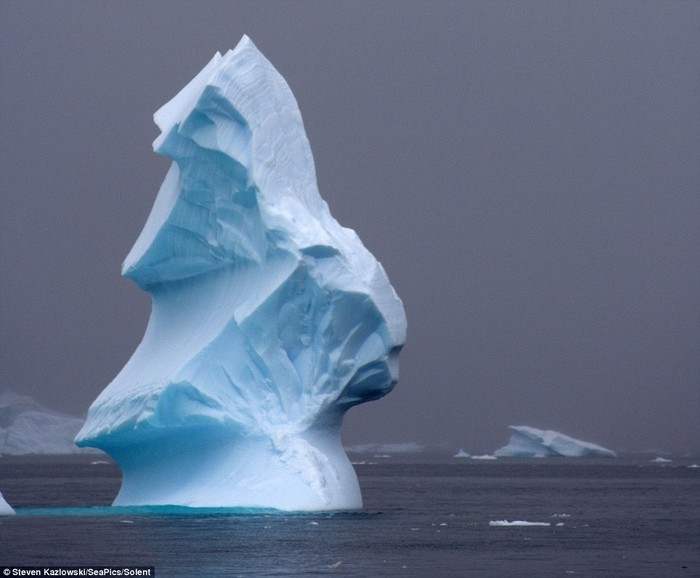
269	319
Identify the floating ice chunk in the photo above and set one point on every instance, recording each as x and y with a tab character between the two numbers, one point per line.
660	460
269	319
461	454
528	442
5	508
517	523
484	457
693	466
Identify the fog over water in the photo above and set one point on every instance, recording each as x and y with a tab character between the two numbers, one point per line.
527	172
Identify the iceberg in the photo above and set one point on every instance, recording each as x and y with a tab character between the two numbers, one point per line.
528	442
5	508
27	427
390	448
269	320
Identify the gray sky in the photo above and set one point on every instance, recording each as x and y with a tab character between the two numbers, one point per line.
527	172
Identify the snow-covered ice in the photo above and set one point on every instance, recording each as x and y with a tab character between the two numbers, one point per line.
5	508
269	319
27	427
462	454
528	442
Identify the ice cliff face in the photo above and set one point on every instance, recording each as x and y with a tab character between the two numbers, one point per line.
269	319
528	442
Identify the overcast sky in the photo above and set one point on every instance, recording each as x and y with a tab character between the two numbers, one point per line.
528	173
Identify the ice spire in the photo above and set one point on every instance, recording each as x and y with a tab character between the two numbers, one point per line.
269	319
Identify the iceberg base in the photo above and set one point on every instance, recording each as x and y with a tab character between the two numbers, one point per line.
305	472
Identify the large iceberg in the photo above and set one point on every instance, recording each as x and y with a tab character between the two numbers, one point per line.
269	319
528	442
27	427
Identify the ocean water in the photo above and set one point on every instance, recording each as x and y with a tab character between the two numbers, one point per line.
424	516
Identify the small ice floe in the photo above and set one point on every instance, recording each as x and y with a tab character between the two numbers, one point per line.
485	457
100	463
561	515
661	460
5	508
694	466
462	454
517	523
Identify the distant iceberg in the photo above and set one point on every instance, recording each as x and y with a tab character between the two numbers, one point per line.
462	454
27	427
528	442
397	448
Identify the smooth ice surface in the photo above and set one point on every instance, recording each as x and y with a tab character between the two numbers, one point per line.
27	427
269	319
528	442
5	508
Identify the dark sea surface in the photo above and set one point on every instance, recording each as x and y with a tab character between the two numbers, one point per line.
423	516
